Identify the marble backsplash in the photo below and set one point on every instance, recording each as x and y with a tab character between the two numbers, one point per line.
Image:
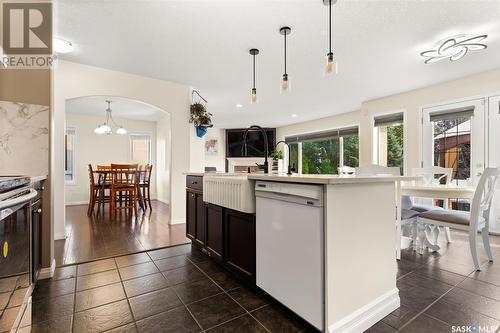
24	139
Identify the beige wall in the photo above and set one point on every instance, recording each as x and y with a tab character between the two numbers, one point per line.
411	103
76	80
103	150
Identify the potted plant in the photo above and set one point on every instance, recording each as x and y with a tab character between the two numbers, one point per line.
201	118
277	156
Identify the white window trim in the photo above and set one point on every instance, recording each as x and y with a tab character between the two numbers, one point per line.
375	137
150	135
72	182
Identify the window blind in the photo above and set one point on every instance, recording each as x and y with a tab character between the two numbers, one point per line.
324	135
389	119
464	112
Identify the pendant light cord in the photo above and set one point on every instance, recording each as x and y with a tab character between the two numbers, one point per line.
330	24
253	71
285	52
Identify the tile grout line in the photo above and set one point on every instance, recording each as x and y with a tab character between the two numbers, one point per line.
128	302
226	292
177	294
430	305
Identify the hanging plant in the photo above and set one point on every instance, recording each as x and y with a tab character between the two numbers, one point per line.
201	118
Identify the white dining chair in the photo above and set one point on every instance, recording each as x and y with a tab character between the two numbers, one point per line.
475	220
432	175
408	216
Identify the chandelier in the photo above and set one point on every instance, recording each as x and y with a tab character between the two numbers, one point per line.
109	124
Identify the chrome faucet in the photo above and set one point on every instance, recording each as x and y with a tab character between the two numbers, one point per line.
289	165
266	147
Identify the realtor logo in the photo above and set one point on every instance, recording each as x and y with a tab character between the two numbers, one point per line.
27	28
27	34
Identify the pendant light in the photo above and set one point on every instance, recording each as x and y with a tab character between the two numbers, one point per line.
331	63
105	128
285	82
253	96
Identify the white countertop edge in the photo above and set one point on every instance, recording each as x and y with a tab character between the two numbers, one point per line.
331	179
35	179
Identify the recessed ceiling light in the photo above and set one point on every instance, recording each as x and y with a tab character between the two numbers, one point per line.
239	106
455	48
62	45
294	115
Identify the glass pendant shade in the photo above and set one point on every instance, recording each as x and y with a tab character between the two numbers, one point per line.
121	131
285	84
253	96
98	130
106	129
331	65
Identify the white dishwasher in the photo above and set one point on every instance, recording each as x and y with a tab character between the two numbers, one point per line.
289	246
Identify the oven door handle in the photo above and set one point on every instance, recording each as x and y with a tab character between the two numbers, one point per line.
17	201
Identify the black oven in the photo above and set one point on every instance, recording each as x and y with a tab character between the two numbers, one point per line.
15	249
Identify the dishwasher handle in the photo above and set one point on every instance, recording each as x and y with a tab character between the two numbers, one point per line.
288	198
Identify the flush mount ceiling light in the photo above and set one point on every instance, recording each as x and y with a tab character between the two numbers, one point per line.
253	96
285	83
331	63
239	106
454	48
62	46
105	128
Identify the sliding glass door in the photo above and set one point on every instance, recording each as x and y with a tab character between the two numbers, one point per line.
453	136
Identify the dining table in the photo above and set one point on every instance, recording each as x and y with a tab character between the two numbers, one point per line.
104	174
436	191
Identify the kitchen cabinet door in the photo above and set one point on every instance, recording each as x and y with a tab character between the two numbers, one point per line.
190	214
214	216
239	240
200	220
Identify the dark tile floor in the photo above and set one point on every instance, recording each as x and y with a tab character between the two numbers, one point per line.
95	237
179	290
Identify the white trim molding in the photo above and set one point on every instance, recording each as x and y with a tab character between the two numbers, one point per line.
178	221
47	272
368	315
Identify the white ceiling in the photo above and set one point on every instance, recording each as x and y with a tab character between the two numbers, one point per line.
121	108
205	44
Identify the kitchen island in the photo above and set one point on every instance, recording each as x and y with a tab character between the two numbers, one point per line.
352	257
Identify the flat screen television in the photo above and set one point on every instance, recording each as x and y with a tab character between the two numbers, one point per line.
255	142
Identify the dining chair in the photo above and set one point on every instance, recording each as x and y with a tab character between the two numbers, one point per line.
96	194
475	220
124	179
145	185
430	175
408	216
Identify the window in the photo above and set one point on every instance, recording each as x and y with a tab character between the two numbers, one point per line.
140	148
324	152
389	140
69	155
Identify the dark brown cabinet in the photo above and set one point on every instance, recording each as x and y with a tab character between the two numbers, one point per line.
195	210
191	214
239	243
214	216
226	235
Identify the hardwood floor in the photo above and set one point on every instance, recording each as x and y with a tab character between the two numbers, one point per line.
97	237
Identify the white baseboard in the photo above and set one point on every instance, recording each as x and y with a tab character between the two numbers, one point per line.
368	315
60	236
47	272
166	202
178	221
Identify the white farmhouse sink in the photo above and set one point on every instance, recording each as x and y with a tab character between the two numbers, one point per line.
231	191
